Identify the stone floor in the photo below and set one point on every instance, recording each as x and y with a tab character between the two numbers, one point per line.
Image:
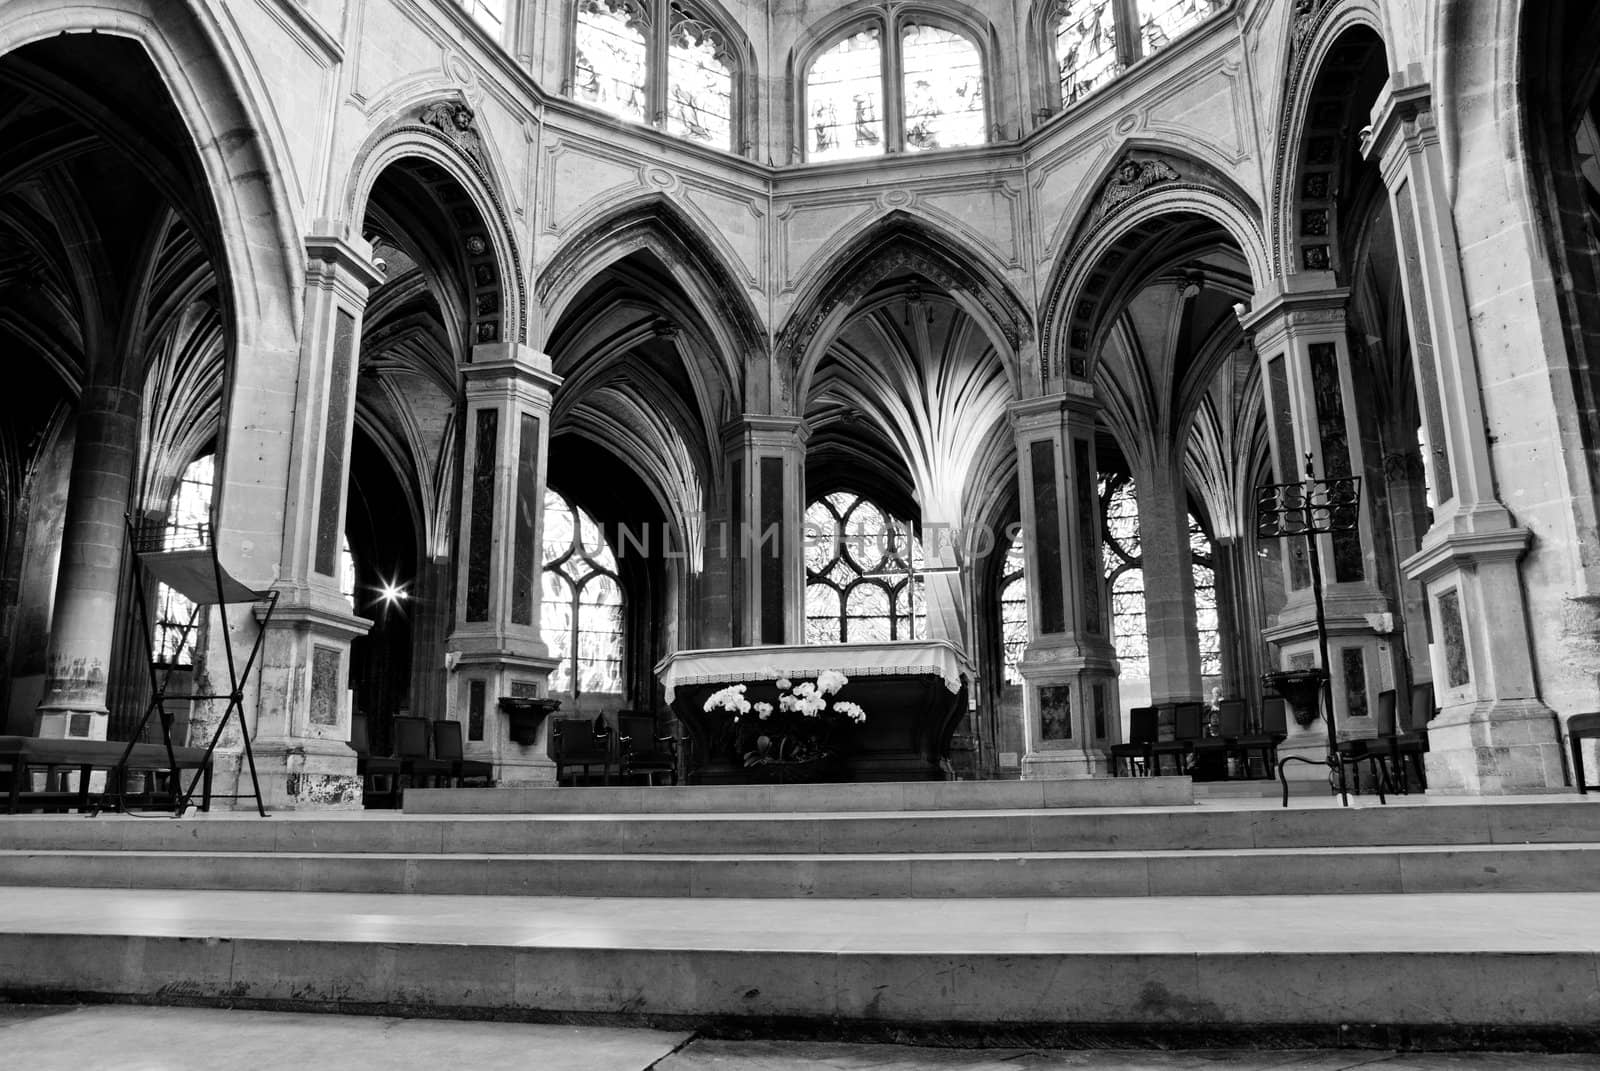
117	1038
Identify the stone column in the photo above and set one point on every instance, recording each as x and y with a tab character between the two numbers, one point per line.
1070	710
1169	606
944	598
302	714
766	528
1303	343
1493	734
496	647
83	625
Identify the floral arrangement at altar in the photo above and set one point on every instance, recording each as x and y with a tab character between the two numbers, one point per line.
803	726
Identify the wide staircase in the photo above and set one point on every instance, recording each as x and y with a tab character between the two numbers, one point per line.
974	909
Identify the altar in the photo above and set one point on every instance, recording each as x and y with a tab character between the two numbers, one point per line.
914	693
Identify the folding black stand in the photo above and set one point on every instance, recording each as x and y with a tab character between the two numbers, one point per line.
1310	508
185	560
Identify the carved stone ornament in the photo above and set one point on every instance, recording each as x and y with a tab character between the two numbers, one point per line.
1131	178
1305	16
457	122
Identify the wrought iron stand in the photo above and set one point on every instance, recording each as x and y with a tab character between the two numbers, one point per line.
1312	508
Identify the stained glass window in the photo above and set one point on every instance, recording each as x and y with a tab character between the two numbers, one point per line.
1124	567
581	612
609	66
188	512
1086	47
699	82
943	87
1162	22
844	98
1014	634
1207	624
490	14
861	579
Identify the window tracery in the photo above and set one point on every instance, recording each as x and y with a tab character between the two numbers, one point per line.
580	615
1014	630
1095	40
864	99
658	62
1124	568
862	584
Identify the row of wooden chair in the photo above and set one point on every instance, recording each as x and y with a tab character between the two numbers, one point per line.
1387	754
1189	748
1397	743
633	747
411	761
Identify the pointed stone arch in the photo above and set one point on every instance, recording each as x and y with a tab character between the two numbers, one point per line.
653	224
438	141
1304	193
1144	190
259	262
898	243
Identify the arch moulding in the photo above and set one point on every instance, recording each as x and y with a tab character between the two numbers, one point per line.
1310	42
442	131
1171	193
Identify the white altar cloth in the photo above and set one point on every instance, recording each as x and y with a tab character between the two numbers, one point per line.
729	665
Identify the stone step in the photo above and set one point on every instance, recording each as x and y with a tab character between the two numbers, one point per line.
1526	964
919	796
1301	871
1231	825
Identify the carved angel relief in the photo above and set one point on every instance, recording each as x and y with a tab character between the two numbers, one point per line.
1131	178
457	122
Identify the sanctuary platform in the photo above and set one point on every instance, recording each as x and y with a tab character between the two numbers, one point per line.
952	911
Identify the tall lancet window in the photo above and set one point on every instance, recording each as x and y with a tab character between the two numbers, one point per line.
1014	634
581	612
699	81
1124	567
862	579
610	66
188	513
844	98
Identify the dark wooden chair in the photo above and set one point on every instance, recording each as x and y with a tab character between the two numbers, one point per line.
1411	740
1378	752
1141	737
370	767
1186	721
1265	740
411	744
581	744
447	747
1581	727
643	751
1211	753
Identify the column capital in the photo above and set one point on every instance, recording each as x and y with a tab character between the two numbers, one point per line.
762	430
1282	310
1053	410
496	363
1402	117
337	260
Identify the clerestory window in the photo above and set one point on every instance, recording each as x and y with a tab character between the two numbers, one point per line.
924	90
661	62
1095	40
490	14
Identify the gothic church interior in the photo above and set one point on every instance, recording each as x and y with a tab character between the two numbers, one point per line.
474	328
